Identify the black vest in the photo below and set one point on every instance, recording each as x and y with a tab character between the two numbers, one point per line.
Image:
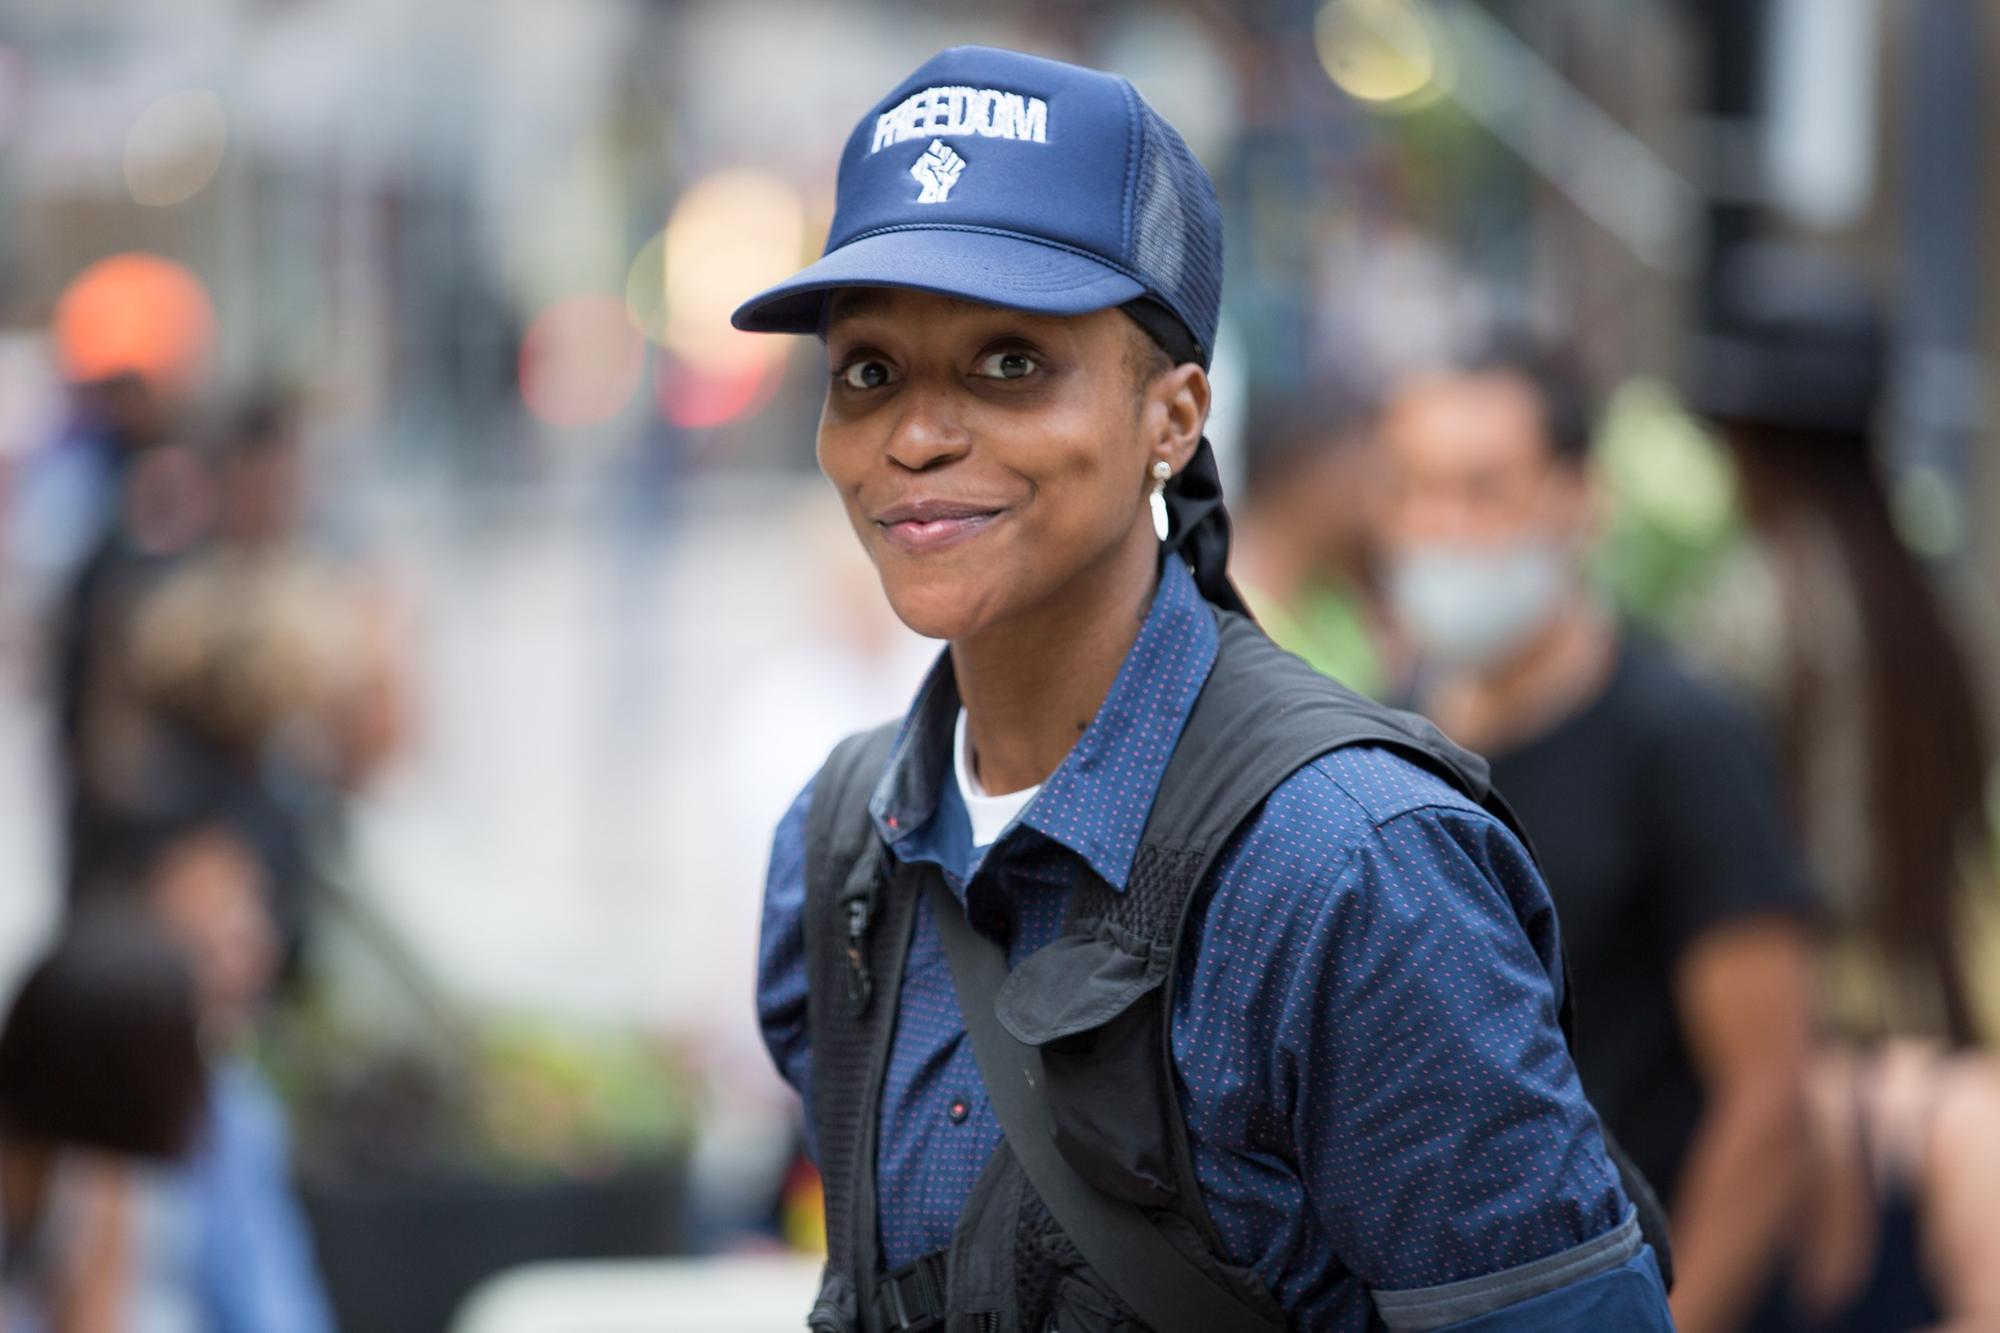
1094	1002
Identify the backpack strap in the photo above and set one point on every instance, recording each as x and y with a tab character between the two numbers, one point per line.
855	940
1263	715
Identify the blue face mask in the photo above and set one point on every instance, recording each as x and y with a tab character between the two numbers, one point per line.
1470	608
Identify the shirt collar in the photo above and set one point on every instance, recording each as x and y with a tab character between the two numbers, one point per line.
1097	800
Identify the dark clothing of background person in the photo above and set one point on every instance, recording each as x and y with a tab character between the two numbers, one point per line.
1655	815
93	713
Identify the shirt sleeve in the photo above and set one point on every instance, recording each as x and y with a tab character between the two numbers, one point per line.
1718	834
781	953
1440	1125
1628	1296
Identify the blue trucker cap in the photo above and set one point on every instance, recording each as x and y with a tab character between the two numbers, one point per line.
1016	181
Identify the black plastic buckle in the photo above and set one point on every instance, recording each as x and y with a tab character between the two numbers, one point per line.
912	1298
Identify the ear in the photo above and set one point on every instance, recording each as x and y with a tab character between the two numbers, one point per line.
1176	411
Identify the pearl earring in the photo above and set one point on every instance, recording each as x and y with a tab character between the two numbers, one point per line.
1162	470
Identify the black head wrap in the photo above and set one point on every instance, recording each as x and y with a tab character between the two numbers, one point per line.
1197	524
1198	528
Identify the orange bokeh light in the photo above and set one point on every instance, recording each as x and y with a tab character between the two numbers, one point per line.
135	313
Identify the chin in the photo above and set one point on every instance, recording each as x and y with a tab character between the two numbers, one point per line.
947	609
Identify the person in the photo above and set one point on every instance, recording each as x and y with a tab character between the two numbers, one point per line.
101	1099
70	488
165	503
255	1262
1829	625
264	677
1282	1045
1653	809
1898	1224
1303	553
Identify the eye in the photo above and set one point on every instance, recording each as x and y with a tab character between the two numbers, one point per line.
865	373
1006	365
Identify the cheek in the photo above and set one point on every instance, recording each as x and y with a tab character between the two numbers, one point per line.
1088	473
843	461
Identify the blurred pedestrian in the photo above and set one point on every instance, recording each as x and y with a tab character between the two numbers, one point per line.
101	1101
1650	802
1303	549
164	506
68	492
1834	629
255	1261
263	676
1899	1223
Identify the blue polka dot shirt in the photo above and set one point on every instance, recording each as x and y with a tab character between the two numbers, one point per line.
1376	1089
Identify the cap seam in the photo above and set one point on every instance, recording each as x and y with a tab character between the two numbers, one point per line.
1122	269
1128	207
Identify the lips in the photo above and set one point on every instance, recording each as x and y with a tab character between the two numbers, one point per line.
931	524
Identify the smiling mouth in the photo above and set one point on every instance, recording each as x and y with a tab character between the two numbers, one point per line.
931	527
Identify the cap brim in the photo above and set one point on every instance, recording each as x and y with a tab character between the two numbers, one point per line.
987	267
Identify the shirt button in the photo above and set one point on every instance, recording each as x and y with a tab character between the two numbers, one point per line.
958	1111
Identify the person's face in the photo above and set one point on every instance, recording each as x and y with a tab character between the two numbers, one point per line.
208	892
989	459
1467	464
261	493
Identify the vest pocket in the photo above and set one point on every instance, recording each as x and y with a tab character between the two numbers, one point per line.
1092	1005
1082	1308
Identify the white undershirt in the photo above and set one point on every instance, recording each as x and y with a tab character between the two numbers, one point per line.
990	815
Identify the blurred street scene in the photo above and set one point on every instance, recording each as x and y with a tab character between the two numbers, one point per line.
417	605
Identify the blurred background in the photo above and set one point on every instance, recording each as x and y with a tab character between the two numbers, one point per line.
389	517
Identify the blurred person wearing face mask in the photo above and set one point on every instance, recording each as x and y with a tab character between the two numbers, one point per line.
1653	810
254	1256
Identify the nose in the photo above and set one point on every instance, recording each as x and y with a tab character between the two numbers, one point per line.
929	432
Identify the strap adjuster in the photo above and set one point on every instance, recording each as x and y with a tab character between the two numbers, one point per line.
912	1298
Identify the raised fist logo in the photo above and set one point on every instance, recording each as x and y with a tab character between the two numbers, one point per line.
937	171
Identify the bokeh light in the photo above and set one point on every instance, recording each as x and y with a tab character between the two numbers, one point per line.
175	147
730	234
695	397
1387	52
135	313
1929	512
581	361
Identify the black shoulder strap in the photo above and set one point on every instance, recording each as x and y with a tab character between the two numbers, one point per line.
1264	714
1162	1286
847	951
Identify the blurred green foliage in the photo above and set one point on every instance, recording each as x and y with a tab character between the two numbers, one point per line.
1669	495
507	1098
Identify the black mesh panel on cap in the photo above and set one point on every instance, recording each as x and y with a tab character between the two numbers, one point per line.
1177	230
